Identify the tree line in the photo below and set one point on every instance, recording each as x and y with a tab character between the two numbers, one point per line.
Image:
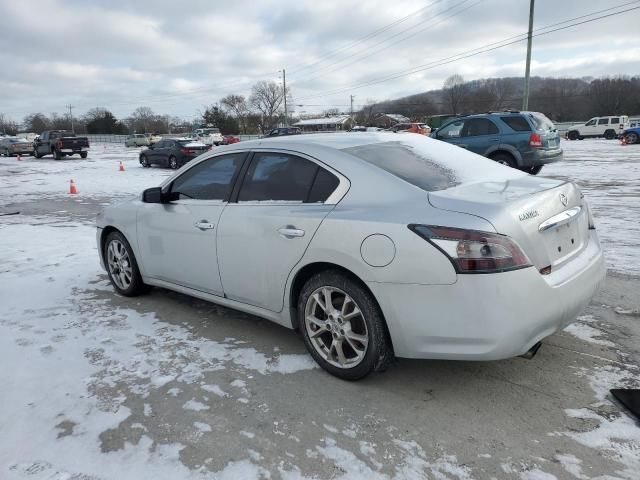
233	114
561	99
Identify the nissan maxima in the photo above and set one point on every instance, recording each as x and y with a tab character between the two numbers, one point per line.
371	245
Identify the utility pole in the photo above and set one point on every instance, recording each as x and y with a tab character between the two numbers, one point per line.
284	88
352	97
70	107
525	97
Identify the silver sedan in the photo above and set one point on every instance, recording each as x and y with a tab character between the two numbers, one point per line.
371	245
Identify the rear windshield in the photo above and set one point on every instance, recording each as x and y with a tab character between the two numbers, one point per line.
542	122
517	123
406	163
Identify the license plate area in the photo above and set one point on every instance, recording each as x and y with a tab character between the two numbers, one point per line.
565	241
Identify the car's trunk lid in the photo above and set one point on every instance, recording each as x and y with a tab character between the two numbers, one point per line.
548	218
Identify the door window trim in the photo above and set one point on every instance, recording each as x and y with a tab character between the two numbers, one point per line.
340	191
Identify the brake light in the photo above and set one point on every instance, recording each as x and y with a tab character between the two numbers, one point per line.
472	251
535	141
186	151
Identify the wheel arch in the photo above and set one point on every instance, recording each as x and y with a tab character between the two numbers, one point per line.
311	269
505	150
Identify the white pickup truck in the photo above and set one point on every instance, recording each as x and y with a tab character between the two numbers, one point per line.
209	136
607	127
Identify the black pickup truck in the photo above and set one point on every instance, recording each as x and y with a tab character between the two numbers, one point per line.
60	143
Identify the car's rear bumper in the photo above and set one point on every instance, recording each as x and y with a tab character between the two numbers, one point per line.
74	150
536	157
488	316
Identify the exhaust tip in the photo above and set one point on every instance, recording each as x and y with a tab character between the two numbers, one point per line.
532	351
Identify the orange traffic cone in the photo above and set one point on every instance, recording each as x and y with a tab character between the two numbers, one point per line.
72	188
121	167
19	159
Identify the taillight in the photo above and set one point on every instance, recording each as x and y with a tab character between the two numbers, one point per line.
186	151
535	141
472	251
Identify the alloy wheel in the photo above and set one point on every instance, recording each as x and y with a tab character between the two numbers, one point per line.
632	138
119	264
336	327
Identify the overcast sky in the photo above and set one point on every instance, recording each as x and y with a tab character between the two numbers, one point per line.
177	56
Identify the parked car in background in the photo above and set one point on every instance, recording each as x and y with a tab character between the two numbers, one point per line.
209	136
10	146
632	135
153	138
172	152
283	132
137	140
370	244
607	127
419	128
28	136
60	143
229	140
523	140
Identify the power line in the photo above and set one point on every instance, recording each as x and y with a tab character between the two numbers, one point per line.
363	39
370	54
462	55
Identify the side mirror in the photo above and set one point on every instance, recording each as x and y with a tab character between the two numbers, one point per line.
152	195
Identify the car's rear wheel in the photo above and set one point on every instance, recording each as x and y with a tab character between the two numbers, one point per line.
533	170
504	159
173	162
572	135
342	326
631	138
122	266
83	154
144	161
609	134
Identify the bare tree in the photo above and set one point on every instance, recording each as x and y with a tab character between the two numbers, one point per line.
7	126
455	92
237	105
267	98
36	122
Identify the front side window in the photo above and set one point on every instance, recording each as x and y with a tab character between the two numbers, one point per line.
591	122
452	130
278	177
211	179
475	127
603	121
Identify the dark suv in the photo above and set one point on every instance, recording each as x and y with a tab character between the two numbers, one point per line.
172	152
283	131
523	140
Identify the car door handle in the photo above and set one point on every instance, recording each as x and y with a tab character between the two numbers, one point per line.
291	232
204	225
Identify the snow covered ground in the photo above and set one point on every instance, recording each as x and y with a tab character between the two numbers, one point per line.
96	386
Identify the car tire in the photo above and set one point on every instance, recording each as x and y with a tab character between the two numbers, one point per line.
504	159
357	327
37	155
144	161
56	154
572	135
83	154
609	134
631	138
173	162
534	170
122	266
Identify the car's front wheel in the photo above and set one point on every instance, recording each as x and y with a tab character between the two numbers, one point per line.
144	161
173	162
631	138
122	266
342	326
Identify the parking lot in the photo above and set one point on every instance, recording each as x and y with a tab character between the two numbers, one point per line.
165	386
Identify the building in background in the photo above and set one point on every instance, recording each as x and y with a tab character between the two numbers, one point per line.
335	123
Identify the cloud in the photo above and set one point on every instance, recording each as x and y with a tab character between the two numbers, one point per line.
177	56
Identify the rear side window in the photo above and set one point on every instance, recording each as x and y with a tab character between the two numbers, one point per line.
615	120
406	163
516	123
277	177
324	185
603	121
475	127
541	122
209	180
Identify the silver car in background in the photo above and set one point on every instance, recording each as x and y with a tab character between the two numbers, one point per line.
372	245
